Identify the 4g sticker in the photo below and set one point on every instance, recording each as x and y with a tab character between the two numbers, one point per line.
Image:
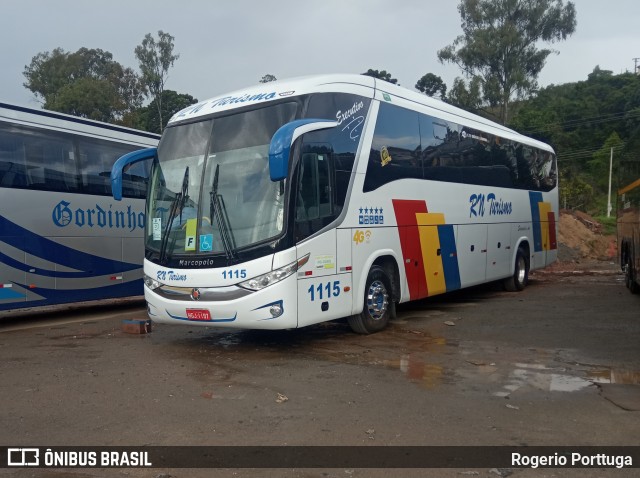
361	236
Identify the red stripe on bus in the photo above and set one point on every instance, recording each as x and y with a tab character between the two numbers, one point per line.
405	211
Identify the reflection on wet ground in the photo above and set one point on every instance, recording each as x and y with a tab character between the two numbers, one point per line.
429	345
408	346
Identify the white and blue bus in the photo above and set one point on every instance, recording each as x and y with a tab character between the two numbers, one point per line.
63	238
301	201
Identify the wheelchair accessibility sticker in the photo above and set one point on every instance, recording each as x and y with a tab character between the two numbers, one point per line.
206	242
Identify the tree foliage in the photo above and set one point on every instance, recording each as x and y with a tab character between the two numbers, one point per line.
467	97
381	75
432	85
147	118
499	44
267	78
155	58
583	121
87	83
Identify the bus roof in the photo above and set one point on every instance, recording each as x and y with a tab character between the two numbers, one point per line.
347	83
64	122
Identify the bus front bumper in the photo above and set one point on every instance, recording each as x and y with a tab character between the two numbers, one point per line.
274	307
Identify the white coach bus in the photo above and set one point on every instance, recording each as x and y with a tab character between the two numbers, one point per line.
63	238
301	201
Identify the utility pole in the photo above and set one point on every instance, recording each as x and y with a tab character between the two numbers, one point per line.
609	197
635	65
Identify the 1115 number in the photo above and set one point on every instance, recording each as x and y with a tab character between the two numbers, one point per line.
324	291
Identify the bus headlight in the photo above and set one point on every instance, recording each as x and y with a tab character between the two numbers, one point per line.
265	280
151	283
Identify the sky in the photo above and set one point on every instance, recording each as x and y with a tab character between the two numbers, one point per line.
225	45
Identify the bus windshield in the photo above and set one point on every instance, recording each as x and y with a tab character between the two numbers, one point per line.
210	190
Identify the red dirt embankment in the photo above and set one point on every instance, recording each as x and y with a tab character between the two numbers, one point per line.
581	244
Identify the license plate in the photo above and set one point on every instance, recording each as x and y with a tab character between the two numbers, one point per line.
199	314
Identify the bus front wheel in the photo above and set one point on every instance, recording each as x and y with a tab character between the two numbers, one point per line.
378	308
520	276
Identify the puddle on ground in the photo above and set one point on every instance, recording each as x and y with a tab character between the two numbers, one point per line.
554	380
413	352
619	376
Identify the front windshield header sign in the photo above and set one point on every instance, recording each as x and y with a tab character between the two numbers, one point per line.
217	103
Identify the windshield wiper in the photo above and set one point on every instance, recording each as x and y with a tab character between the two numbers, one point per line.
178	204
218	209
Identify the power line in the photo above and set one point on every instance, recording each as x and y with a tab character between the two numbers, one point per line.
580	153
592	120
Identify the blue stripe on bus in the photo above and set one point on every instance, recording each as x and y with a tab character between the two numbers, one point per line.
88	264
449	257
534	199
54	297
8	293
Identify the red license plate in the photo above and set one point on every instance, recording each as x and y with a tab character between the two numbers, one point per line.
199	314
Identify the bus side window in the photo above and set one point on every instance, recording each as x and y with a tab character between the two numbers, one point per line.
97	158
12	169
314	194
50	162
395	150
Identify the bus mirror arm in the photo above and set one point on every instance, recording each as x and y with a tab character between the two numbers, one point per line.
119	165
280	146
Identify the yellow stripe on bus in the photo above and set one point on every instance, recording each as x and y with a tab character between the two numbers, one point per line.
545	209
430	245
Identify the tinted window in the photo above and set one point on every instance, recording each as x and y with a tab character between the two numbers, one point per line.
314	198
350	111
52	161
459	154
253	128
395	150
40	160
536	169
13	172
97	158
340	142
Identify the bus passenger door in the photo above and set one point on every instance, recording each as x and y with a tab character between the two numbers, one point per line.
472	253
321	286
499	251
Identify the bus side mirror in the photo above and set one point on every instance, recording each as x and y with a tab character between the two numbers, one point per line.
118	167
280	146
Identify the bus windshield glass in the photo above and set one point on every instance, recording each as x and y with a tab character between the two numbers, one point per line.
210	191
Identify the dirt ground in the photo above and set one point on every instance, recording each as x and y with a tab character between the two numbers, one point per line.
582	245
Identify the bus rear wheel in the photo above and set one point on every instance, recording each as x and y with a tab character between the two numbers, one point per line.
629	278
378	308
520	277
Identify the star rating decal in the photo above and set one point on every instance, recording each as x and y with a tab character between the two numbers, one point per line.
370	215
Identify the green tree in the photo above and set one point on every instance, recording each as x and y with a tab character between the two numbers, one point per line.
87	83
381	75
155	59
500	42
575	191
432	85
581	121
466	97
267	78
147	118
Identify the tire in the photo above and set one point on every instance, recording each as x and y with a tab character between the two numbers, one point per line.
629	278
520	277
378	308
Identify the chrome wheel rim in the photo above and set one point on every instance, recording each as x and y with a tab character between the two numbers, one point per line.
377	300
521	271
